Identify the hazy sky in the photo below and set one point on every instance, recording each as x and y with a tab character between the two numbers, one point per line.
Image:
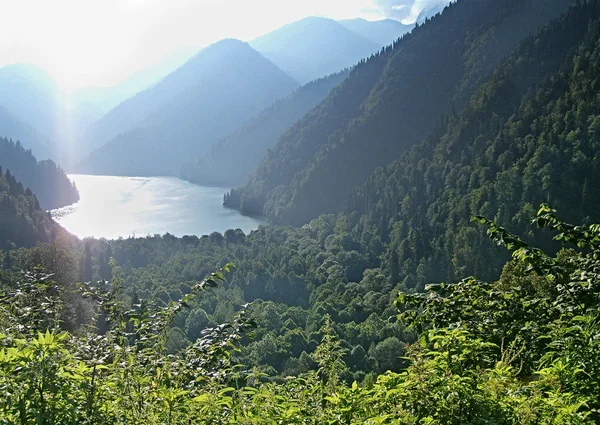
100	42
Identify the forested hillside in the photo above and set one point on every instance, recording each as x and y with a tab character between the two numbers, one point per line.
22	222
231	161
479	346
482	119
219	89
389	103
529	135
46	180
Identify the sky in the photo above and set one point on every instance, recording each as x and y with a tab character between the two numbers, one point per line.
98	43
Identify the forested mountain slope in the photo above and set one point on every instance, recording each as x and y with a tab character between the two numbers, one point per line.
531	134
314	47
331	322
48	182
231	161
388	104
22	222
528	135
219	89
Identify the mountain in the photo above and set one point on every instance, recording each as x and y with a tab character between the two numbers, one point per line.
30	94
218	90
387	105
529	135
32	105
103	99
314	47
382	32
230	161
48	182
22	222
13	127
37	105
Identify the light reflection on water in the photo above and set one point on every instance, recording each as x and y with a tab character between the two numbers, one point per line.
112	207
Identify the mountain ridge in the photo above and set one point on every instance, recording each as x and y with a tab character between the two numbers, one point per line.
230	161
383	31
301	178
314	47
189	110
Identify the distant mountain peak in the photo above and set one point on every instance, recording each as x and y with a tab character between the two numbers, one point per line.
314	47
219	89
227	42
383	31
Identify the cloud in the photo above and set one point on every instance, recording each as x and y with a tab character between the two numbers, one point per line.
407	11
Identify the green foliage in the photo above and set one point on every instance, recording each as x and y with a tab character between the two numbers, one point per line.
291	277
304	331
460	371
549	330
22	221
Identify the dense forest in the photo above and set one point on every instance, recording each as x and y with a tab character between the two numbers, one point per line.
387	104
48	182
23	223
231	161
519	350
378	297
527	136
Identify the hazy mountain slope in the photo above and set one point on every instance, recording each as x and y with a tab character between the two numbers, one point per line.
31	105
230	161
159	129
47	181
430	72
529	135
31	95
14	128
37	105
106	98
383	32
314	47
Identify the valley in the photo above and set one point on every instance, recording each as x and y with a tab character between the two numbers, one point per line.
328	220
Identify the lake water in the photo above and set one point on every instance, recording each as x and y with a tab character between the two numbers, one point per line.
112	207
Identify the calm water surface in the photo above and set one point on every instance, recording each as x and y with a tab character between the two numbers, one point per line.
113	207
